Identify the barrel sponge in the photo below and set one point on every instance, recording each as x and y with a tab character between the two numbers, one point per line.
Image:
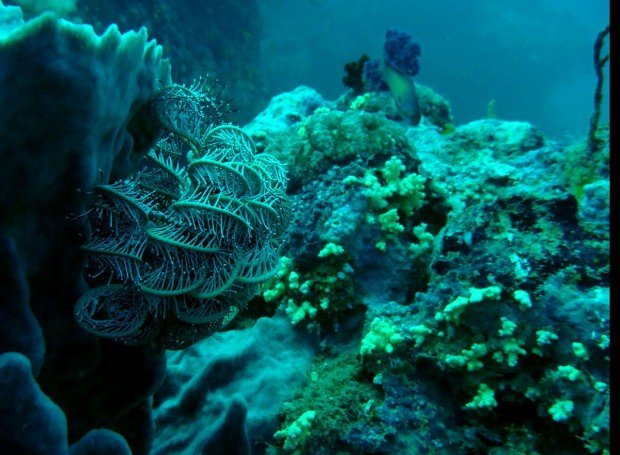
100	442
60	7
19	329
67	97
29	421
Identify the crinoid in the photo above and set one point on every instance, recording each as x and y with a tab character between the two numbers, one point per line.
179	247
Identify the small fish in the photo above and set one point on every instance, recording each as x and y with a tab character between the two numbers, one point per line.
403	90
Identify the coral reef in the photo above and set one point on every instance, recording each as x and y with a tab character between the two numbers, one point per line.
442	288
485	291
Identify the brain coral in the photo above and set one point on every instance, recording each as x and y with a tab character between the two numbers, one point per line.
178	247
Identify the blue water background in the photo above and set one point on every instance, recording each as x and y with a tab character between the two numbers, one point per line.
533	57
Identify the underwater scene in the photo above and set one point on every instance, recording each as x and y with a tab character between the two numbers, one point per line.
304	227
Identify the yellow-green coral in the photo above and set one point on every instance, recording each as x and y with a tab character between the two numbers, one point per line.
275	288
511	350
468	357
484	399
396	189
383	336
580	350
569	372
420	332
392	196
317	296
453	310
561	410
523	298
508	327
296	433
545	337
426	241
299	312
331	249
389	222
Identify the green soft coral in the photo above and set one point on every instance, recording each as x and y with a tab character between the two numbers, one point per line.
394	188
393	196
295	435
318	297
484	399
383	336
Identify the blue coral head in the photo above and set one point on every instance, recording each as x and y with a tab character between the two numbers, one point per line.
401	52
373	79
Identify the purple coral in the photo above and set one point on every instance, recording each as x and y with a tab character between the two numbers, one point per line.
373	80
401	52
